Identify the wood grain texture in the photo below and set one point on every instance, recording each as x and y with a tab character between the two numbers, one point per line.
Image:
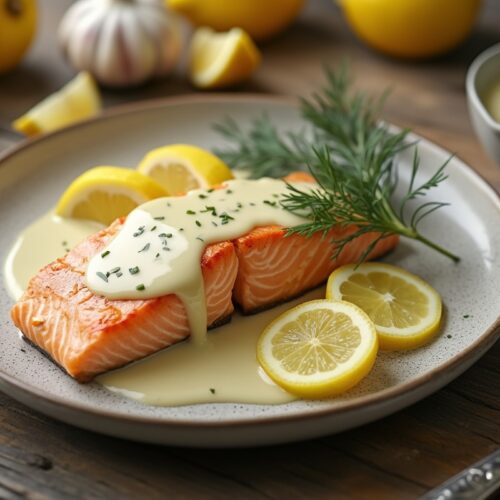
399	457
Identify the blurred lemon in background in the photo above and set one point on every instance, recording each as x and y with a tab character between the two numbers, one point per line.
17	27
77	100
220	60
411	28
261	19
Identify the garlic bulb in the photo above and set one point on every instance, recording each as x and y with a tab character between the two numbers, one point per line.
121	42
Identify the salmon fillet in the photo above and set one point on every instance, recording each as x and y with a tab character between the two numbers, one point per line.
87	334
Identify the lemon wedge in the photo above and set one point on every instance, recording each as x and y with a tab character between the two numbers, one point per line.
406	310
318	349
219	60
77	100
179	168
103	194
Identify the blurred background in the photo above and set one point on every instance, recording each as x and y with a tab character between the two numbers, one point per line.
426	75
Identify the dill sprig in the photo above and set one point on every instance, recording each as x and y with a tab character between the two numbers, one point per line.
262	151
352	156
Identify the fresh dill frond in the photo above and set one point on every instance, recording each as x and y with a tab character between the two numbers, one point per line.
352	156
262	151
358	205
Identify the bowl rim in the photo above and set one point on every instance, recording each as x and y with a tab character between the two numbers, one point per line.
470	84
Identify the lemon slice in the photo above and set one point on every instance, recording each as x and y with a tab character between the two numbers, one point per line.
220	60
77	100
103	194
406	310
318	349
181	167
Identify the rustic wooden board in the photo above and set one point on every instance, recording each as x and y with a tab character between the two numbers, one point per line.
401	456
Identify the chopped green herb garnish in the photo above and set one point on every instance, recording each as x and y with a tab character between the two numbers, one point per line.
119	274
200	238
270	203
252	204
166	249
139	231
168	204
157	255
202	196
211	209
153	228
102	276
159	218
190	212
228	191
198	223
133	270
211	190
466	316
212	390
225	218
105	254
448	336
214	223
162	235
145	248
114	270
64	243
140	287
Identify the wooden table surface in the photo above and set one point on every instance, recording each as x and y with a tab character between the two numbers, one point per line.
401	456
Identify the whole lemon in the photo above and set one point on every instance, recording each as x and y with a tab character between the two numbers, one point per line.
411	28
261	19
17	27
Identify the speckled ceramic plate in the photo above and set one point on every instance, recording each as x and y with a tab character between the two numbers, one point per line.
33	176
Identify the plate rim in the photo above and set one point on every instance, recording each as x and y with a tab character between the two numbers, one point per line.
486	339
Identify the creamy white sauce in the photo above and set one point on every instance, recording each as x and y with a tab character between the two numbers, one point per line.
42	242
223	369
159	248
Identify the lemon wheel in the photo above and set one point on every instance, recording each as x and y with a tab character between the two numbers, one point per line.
405	309
318	349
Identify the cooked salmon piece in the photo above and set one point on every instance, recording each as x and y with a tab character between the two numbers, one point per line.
87	334
274	268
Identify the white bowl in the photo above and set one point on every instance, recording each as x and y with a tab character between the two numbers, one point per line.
483	72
